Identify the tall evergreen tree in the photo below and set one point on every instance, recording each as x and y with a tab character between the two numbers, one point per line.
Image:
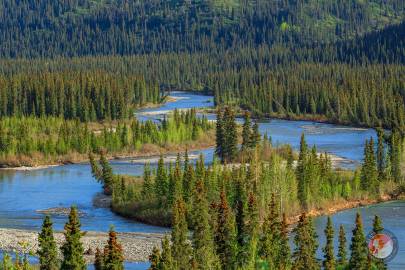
47	252
255	135
358	247
248	250
225	234
230	141
302	174
166	259
395	155
147	186
369	173
161	185
95	170
181	248
271	235
72	249
220	135
107	174
246	131
203	242
380	154
114	259
329	256
342	249
284	259
304	255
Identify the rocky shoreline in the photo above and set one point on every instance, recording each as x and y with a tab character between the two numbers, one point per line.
137	246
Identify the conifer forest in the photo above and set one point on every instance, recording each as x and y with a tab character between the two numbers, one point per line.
202	134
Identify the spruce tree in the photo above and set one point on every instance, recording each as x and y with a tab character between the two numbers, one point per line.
270	240
369	173
147	186
240	206
329	257
48	255
188	182
377	229
107	174
220	136
203	242
255	135
248	249
114	258
161	185
72	249
225	234
380	154
395	155
166	259
246	131
301	173
304	255
95	170
358	247
181	248
342	250
283	261
230	141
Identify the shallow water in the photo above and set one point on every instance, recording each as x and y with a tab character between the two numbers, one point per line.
22	193
392	215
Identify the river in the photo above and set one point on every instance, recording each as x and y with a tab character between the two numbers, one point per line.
22	193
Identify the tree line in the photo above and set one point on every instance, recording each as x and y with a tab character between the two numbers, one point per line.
362	95
72	250
88	96
51	138
254	79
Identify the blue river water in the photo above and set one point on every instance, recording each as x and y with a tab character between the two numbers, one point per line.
22	193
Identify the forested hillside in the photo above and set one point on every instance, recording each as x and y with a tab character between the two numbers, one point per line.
89	27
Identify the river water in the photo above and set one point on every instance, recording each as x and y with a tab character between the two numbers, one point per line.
22	193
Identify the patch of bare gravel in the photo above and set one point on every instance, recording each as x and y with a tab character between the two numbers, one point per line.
137	246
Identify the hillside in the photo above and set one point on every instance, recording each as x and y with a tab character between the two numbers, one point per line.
100	27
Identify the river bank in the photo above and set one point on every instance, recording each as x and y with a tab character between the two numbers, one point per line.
37	161
137	246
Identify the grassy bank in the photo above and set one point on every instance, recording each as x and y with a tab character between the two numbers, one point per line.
35	142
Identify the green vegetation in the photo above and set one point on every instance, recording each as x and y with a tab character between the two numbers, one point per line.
112	257
88	96
227	246
90	27
311	185
48	255
46	140
72	249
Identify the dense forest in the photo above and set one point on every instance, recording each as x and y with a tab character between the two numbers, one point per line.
332	61
75	28
88	96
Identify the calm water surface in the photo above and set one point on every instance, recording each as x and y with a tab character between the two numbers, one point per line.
23	193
